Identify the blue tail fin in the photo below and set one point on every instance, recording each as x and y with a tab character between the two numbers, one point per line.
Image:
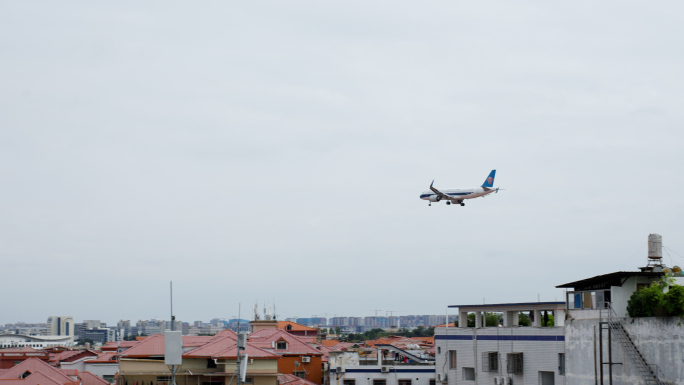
489	182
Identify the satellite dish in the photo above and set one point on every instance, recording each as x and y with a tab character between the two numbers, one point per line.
296	364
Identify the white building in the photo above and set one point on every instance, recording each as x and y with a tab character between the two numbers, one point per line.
61	325
391	366
503	354
38	342
604	346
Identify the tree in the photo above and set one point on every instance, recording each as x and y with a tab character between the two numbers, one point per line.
83	341
338	330
674	301
524	319
647	302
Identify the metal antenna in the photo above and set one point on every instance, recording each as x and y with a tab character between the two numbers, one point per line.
171	289
173	367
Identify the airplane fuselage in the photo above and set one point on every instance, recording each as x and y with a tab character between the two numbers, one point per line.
457	194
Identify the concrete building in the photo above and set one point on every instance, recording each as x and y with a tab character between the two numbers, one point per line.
61	325
104	365
389	366
297	357
604	346
38	342
505	353
12	356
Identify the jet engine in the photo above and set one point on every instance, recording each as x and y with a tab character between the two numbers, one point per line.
435	198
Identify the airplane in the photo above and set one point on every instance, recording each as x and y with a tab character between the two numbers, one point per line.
458	195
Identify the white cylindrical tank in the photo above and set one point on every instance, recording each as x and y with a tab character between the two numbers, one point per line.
655	246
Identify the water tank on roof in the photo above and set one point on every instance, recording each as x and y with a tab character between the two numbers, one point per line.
677	271
655	247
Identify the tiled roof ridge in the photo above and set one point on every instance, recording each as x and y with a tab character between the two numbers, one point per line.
284	335
132	351
34	380
34	365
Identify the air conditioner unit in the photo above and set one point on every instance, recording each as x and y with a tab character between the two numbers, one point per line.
497	381
442	377
385	369
509	381
340	369
306	359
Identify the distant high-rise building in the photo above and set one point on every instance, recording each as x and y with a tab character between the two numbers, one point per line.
123	324
92	324
61	325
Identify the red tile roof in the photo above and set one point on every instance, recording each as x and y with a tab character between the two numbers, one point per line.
150	346
266	338
37	378
37	366
113	346
329	342
25	349
224	333
70	356
88	378
295	326
226	347
191	341
291	379
104	358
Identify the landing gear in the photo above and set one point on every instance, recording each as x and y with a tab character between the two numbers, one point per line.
429	204
448	203
462	204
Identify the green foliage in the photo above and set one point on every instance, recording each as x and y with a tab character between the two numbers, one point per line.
491	319
549	322
674	301
524	319
647	302
83	341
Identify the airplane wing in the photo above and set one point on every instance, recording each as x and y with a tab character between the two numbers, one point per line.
439	193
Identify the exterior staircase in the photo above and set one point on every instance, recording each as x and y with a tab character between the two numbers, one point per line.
648	374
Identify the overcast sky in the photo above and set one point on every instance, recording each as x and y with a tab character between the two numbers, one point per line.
275	152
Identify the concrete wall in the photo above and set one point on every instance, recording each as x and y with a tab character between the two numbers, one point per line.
365	374
660	340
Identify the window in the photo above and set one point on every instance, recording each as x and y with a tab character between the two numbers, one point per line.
26	374
163	380
514	363
281	345
469	374
433	382
211	363
439	350
490	362
248	380
405	382
288	327
300	374
349	382
452	359
561	364
108	378
379	381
